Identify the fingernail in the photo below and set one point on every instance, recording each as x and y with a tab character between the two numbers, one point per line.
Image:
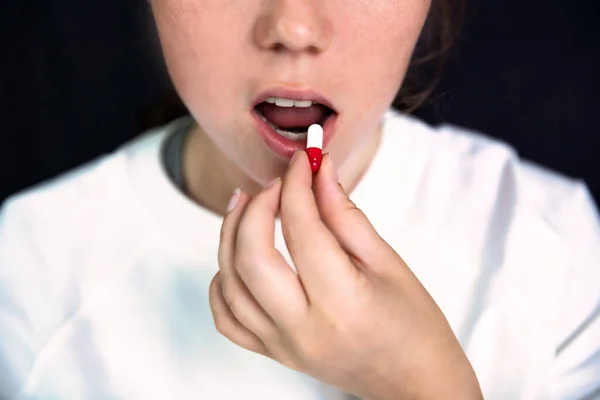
295	156
234	200
273	182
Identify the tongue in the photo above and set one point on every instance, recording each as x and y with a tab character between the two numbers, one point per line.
293	117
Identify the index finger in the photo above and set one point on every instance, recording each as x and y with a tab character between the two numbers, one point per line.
319	259
261	267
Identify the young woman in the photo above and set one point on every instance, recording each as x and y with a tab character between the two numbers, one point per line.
417	263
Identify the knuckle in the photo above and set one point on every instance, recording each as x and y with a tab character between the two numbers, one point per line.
242	264
228	228
285	357
355	213
226	326
255	346
308	350
222	321
222	259
310	354
234	300
221	324
215	293
343	321
223	233
229	291
350	205
293	237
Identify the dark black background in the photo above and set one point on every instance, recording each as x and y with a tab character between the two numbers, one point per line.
79	78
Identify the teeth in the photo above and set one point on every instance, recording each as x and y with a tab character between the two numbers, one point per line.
286	134
291	135
303	104
281	102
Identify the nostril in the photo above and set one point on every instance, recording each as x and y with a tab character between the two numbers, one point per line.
314	49
278	47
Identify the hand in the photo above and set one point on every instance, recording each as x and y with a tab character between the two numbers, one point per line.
354	315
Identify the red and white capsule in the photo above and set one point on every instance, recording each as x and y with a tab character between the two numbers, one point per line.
314	147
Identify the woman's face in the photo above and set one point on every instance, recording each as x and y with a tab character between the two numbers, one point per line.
229	58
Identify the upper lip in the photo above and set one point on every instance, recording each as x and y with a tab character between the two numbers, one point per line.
294	94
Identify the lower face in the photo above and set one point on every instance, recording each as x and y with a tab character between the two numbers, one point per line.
256	73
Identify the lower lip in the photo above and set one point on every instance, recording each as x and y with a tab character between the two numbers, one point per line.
285	147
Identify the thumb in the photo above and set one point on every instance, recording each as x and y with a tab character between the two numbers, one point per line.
344	219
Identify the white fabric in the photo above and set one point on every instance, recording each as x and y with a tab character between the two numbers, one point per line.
104	275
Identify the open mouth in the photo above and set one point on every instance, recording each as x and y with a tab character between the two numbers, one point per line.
291	118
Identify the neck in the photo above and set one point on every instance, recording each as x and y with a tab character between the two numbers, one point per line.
211	177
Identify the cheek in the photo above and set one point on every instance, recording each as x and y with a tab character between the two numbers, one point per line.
201	54
378	42
203	51
383	39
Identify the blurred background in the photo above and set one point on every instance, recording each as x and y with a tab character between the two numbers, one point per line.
77	79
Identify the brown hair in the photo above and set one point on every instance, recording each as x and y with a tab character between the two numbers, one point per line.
425	71
440	33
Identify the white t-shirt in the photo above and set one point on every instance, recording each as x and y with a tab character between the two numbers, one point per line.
104	274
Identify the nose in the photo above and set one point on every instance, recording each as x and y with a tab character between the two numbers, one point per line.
294	25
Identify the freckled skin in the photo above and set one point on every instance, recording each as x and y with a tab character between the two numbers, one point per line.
222	53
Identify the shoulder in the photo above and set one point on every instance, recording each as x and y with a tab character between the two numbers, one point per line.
475	165
48	221
75	220
83	195
64	206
